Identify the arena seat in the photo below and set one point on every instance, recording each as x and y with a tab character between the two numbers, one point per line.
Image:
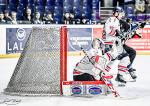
12	6
57	18
3	5
59	3
77	3
95	4
50	3
77	14
86	9
87	15
95	11
41	3
24	2
19	15
49	9
40	9
68	8
30	1
68	1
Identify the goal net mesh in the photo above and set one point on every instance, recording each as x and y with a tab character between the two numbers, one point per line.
38	70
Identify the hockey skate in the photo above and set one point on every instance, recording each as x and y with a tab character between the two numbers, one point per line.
121	81
132	74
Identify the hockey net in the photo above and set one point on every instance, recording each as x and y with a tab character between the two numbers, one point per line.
42	66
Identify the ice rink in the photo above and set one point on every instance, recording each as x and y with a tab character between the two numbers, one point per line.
135	93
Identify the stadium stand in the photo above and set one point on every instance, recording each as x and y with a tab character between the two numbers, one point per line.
80	11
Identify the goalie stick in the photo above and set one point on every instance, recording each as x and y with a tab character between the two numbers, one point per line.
108	83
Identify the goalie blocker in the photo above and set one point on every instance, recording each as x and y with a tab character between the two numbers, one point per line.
84	88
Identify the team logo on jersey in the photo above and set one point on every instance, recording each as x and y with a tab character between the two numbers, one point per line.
76	90
94	90
21	34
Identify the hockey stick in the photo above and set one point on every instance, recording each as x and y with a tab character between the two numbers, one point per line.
128	34
108	83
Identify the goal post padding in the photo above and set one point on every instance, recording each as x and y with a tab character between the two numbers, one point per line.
41	67
84	88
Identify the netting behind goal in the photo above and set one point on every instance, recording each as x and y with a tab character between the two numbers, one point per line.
42	65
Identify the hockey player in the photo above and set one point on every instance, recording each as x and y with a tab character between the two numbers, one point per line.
126	26
111	30
126	53
89	70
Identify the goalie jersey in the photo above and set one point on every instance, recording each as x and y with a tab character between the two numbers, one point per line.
95	65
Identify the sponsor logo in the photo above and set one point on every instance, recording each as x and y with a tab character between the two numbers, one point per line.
79	36
76	89
21	34
94	90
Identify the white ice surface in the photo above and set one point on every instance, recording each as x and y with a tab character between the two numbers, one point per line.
138	91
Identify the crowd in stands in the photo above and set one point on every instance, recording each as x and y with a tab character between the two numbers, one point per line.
28	18
66	11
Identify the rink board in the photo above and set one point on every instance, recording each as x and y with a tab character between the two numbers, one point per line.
10	43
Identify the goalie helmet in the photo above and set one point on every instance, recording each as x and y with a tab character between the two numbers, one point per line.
98	44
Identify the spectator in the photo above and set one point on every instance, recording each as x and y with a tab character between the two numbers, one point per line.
72	20
67	18
77	21
7	18
140	6
127	4
49	19
140	9
14	17
37	19
2	21
85	20
28	16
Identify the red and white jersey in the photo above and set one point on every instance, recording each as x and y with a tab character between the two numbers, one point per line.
97	58
112	24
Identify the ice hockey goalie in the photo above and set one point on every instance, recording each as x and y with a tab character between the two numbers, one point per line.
90	66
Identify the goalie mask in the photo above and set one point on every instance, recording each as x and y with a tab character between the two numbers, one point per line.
98	44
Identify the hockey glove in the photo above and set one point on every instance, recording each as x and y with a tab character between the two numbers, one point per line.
142	25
